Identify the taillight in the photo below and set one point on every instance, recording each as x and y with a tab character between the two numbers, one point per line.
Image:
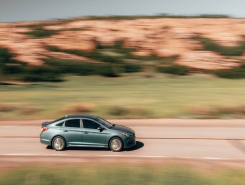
43	129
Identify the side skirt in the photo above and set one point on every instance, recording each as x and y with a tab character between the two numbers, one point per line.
92	146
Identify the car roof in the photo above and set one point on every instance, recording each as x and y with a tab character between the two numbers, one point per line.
81	116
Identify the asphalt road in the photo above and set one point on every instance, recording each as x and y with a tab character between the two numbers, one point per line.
212	140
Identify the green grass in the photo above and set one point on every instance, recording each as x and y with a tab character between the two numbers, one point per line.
160	96
104	175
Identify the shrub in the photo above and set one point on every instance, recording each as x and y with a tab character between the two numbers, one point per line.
84	68
110	70
12	69
238	72
174	69
41	73
5	55
131	68
223	50
52	48
92	55
39	32
169	60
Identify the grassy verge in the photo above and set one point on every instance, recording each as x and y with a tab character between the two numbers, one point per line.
130	96
178	175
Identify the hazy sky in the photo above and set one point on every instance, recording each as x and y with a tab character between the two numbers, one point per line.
26	10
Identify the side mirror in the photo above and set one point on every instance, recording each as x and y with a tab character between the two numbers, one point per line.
100	128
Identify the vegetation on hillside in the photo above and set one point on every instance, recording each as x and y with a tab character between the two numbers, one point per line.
211	45
174	69
155	17
54	69
237	72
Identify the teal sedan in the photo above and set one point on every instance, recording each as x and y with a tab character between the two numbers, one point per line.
86	131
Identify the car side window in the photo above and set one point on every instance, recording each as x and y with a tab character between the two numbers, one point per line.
59	123
90	124
73	123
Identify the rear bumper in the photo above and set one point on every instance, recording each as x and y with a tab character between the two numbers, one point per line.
45	141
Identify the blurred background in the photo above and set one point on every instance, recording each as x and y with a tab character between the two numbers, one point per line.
123	60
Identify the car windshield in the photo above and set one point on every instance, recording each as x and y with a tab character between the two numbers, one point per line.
104	122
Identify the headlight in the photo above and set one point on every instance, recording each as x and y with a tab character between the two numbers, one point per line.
126	134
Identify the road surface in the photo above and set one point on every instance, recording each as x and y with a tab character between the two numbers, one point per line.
209	140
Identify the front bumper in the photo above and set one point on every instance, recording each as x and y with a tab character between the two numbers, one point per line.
130	143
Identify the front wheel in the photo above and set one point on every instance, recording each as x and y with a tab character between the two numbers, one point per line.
58	143
116	144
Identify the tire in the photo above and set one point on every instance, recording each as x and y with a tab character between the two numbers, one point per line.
116	144
58	143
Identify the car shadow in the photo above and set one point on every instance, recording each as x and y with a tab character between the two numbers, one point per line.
82	148
136	147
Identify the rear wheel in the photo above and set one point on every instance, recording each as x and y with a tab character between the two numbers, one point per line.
58	143
116	144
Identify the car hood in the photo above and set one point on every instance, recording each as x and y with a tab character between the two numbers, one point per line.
123	129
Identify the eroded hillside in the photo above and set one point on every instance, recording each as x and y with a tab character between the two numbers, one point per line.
198	42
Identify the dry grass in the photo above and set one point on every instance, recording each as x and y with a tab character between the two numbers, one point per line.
8	107
219	111
23	109
128	111
29	110
80	108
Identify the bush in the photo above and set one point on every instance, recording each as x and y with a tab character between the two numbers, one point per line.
174	69
52	48
84	68
131	68
223	50
41	73
92	55
238	72
5	55
110	70
39	32
12	69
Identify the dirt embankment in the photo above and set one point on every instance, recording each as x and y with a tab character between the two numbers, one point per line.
163	37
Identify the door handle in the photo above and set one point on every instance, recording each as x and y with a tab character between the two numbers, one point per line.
65	131
85	132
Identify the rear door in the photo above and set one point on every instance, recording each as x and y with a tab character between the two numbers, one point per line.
91	135
72	132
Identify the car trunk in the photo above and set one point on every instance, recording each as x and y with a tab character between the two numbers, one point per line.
44	124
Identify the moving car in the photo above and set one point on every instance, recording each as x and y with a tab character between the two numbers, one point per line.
86	131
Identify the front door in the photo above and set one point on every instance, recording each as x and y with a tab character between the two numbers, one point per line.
91	135
72	132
